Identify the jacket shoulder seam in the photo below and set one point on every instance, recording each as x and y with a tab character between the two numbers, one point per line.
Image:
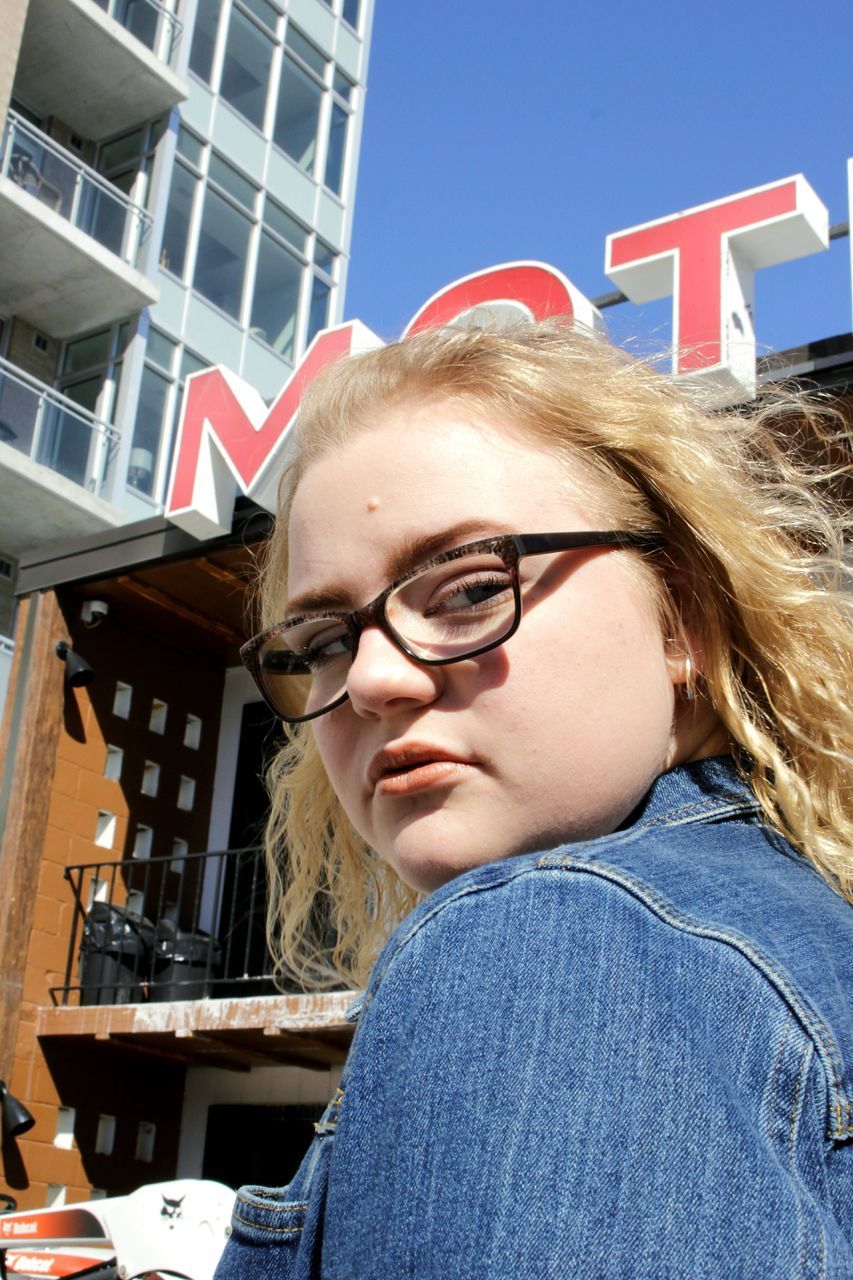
840	1109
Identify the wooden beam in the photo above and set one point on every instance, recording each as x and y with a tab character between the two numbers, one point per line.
177	607
31	729
137	1045
331	1049
222	574
223	1043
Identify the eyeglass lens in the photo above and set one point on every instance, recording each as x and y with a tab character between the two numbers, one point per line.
443	613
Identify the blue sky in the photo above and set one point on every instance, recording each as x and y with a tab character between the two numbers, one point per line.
497	131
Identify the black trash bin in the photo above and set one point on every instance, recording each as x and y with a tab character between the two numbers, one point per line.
185	963
116	953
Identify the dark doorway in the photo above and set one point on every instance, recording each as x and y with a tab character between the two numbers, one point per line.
257	1145
243	939
260	735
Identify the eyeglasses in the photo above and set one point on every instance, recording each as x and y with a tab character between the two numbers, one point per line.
457	605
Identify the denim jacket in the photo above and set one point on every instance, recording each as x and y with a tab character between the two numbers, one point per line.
629	1057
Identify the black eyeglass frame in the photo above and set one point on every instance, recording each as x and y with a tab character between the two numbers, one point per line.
511	548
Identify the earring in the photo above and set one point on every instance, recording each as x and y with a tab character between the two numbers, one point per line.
689	679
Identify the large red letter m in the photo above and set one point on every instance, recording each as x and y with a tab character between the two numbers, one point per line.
228	440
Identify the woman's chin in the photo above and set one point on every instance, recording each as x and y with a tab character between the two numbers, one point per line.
427	850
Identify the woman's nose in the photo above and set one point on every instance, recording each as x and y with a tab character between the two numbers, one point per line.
384	678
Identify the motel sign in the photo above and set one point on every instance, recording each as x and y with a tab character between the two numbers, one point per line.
704	258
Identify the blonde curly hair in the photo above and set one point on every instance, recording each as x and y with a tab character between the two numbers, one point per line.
754	506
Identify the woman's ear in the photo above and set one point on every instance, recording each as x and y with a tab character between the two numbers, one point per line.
682	668
684	650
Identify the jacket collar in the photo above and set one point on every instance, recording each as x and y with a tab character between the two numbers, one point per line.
693	792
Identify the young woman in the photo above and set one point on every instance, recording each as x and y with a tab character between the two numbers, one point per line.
567	661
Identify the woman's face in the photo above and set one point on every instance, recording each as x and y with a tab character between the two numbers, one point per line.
554	736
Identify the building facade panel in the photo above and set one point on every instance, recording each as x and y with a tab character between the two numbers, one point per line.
166	176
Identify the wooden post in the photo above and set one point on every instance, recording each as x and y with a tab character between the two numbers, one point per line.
28	746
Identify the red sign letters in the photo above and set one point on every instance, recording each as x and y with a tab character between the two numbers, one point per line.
705	258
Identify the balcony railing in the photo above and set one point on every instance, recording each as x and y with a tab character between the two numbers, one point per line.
168	928
53	430
53	176
150	21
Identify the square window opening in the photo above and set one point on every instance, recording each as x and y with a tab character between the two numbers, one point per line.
186	793
122	700
157	719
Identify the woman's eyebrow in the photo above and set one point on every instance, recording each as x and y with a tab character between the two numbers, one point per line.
411	552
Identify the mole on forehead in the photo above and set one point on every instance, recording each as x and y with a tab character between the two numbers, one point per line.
372	504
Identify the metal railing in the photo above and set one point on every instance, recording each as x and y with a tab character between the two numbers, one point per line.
53	430
152	22
168	928
55	178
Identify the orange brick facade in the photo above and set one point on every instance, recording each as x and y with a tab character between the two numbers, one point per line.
104	1079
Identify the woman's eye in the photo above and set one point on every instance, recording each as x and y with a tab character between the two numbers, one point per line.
468	593
325	647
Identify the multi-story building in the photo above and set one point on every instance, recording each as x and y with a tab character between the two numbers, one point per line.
176	190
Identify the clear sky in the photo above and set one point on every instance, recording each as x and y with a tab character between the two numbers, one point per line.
502	130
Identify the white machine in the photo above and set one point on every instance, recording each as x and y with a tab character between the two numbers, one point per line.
167	1229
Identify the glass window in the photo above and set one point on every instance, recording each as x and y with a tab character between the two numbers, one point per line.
158	128
159	349
190	146
141	20
232	181
324	257
85	392
191	364
337	149
298	115
176	228
286	226
223	249
120	150
204	38
87	352
148	430
342	85
276	302
308	52
246	70
352	12
318	316
263	11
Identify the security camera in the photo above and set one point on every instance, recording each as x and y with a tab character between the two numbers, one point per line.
93	612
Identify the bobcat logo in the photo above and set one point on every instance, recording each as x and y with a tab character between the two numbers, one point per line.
172	1209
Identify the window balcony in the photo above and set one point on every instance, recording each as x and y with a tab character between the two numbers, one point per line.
71	240
168	955
181	927
55	458
100	65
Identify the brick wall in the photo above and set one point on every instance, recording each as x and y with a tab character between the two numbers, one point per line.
22	353
95	1078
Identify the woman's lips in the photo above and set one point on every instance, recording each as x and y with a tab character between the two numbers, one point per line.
420	777
406	768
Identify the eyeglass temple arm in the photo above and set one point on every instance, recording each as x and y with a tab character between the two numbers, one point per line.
538	543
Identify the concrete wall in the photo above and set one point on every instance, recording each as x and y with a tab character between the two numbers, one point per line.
13	15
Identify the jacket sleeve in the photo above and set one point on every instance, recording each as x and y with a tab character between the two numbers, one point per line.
553	1079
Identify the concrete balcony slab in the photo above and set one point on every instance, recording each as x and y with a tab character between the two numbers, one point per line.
56	276
82	64
40	506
